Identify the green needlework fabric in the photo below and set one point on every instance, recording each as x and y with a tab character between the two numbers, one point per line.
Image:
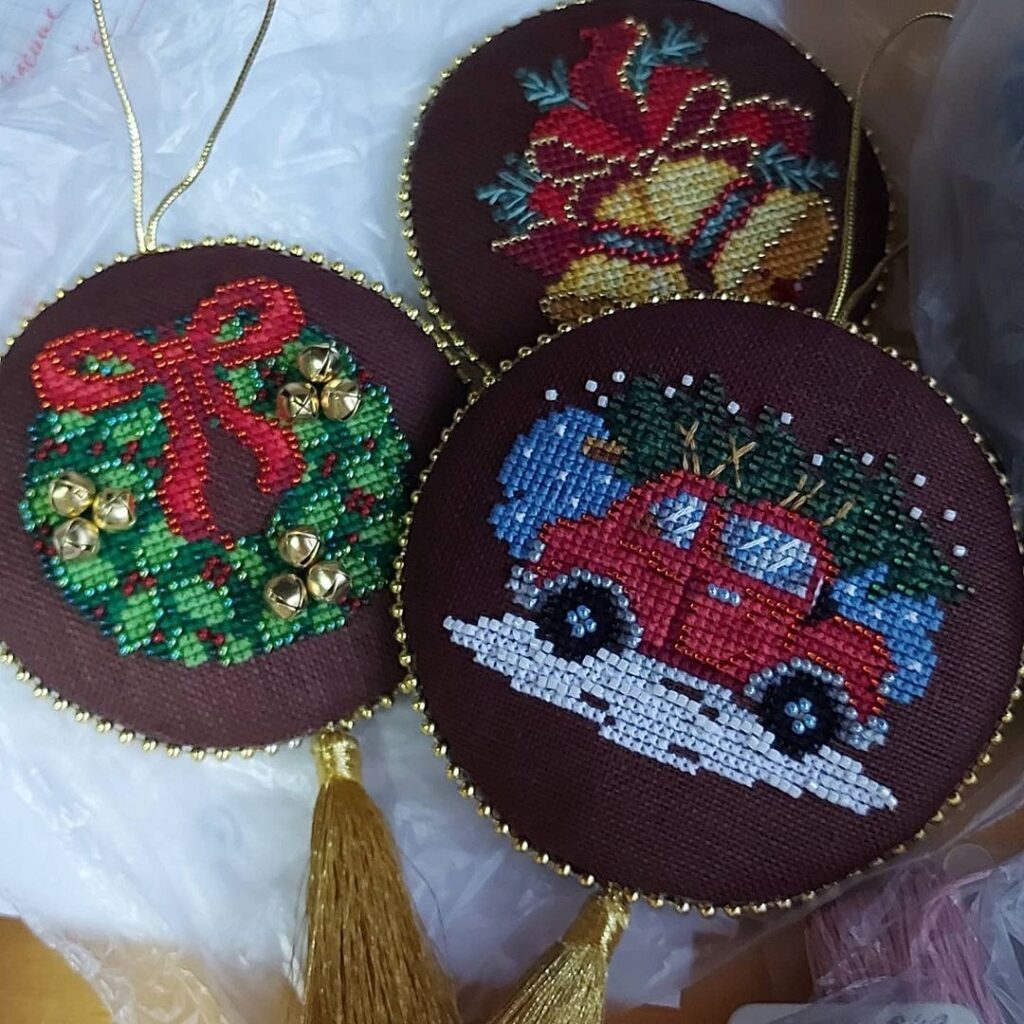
201	602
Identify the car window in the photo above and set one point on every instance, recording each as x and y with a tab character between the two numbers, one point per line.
769	554
678	518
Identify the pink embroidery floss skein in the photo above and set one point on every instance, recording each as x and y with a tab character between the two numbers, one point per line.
916	927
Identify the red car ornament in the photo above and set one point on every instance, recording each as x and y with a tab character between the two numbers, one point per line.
734	593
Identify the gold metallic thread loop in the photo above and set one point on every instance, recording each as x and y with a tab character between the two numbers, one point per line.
337	756
145	233
836	308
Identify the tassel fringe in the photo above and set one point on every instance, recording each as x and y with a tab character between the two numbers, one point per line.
368	961
567	985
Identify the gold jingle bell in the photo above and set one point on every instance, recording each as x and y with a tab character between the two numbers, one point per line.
71	494
285	595
75	539
297	401
319	363
339	398
299	546
327	581
114	510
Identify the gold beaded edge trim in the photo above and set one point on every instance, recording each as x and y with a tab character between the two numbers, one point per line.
466	787
124	734
446	333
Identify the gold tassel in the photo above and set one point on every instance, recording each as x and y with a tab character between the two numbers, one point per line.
368	960
567	985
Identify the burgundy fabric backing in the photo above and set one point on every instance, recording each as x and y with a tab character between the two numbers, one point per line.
479	115
274	697
630	820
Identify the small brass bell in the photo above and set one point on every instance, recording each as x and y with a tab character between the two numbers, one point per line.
114	510
319	363
327	581
285	595
297	401
299	546
75	539
339	398
71	494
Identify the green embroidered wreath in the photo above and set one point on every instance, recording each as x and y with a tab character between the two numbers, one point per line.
201	600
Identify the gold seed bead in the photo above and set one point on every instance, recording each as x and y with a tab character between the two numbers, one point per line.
299	546
339	398
75	539
71	494
297	401
285	595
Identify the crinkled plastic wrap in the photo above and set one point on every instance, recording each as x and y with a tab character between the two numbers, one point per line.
175	886
968	225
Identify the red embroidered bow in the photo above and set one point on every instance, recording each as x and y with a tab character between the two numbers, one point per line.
609	134
186	368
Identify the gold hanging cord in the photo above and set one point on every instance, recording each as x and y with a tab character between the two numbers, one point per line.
145	231
843	302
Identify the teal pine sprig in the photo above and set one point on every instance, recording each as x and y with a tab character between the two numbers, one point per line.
509	196
548	91
676	46
776	165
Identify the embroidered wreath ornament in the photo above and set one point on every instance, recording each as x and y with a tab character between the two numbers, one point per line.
645	178
133	412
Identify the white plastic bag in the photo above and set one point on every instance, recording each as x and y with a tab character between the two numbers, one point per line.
174	886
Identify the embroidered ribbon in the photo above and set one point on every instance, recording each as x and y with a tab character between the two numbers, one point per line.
239	323
613	131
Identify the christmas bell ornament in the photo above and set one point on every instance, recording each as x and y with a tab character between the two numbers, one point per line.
285	595
76	539
113	510
71	494
319	363
339	399
710	602
298	400
617	151
299	546
327	581
218	554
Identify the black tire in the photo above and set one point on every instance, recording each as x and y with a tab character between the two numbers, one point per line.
776	717
554	623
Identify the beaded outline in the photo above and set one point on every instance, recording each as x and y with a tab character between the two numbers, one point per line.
465	784
125	735
406	215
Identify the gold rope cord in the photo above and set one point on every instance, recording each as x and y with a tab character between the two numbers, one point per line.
145	232
839	304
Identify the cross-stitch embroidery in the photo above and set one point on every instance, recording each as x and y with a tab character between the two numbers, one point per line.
710	594
644	177
130	414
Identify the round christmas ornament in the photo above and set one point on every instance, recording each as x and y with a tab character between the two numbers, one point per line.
208	452
617	151
709	601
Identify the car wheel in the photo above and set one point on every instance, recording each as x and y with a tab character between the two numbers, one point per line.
801	713
580	617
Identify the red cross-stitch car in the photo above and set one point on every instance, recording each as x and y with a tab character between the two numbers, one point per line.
732	593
